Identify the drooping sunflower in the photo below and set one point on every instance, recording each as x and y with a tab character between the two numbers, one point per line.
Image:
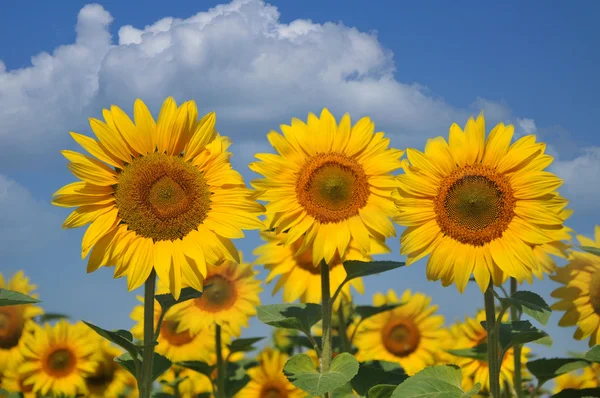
159	195
191	386
300	278
577	380
15	320
229	300
109	378
479	206
57	359
268	380
409	335
580	295
330	183
469	334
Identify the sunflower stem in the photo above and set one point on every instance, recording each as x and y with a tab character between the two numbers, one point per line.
342	329
326	351
220	364
492	342
514	316
145	385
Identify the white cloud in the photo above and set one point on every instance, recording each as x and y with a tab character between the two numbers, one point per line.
581	180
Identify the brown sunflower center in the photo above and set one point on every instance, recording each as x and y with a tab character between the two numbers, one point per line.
270	391
168	331
332	187
11	326
60	362
595	292
162	197
101	379
218	296
25	387
474	205
401	337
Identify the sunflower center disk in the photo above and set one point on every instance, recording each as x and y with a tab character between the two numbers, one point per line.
61	362
401	337
272	392
218	296
595	292
168	331
104	375
332	187
474	205
162	197
11	327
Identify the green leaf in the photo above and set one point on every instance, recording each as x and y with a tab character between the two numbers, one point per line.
519	332
583	393
344	391
435	381
243	345
290	316
371	374
9	297
51	316
300	370
531	304
591	249
366	311
546	369
233	386
478	352
382	391
357	269
198	366
167	300
122	338
160	364
593	354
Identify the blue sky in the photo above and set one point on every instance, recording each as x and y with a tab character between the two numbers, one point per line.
414	67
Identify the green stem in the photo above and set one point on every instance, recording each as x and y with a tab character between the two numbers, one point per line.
177	382
145	385
514	316
492	335
326	352
220	364
342	329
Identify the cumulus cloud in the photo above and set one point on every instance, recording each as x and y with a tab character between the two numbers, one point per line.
581	175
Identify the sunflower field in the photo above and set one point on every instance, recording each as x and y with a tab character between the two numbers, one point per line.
163	206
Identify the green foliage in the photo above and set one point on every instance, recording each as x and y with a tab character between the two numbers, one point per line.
356	269
167	300
300	370
546	369
9	297
243	345
300	317
583	393
478	352
591	249
160	364
593	354
531	304
519	332
382	391
51	316
366	311
198	366
122	338
435	382
372	374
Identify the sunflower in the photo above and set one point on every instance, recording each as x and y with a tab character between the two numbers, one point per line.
229	300
469	334
479	206
580	295
12	381
57	359
109	379
409	335
330	183
15	320
192	385
299	277
159	195
267	379
576	380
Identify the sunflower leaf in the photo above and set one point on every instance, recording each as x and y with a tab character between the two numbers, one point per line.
519	332
51	316
167	300
9	297
435	381
243	345
478	352
583	393
545	369
119	337
366	311
382	391
591	249
198	366
593	354
372	374
300	370
531	304
160	364
301	317
356	269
